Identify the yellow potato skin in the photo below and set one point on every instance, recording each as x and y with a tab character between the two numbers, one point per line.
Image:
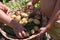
27	34
32	31
18	18
36	28
13	16
24	15
21	22
36	21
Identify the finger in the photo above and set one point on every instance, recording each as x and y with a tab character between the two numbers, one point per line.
22	27
16	33
24	34
40	33
39	30
33	36
8	11
20	35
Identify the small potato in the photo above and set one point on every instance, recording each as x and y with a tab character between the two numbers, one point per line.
13	16
37	17
24	15
24	21
36	28
36	21
24	18
27	34
17	12
18	18
21	22
32	31
30	19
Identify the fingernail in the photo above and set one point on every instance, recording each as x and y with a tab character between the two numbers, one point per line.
24	33
20	35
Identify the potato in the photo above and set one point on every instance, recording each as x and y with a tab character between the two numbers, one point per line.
36	21
27	34
37	17
13	16
32	31
36	28
18	18
24	21
17	12
21	22
30	19
24	15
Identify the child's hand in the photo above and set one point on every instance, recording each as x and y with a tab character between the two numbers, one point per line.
19	31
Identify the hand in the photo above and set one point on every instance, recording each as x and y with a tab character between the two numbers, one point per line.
19	31
29	5
42	30
6	9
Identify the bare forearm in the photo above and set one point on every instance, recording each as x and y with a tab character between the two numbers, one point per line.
6	19
1	5
53	20
55	15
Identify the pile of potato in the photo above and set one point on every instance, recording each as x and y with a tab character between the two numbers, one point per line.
30	23
21	18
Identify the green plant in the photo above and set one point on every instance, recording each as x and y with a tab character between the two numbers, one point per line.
15	5
4	1
37	5
24	2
